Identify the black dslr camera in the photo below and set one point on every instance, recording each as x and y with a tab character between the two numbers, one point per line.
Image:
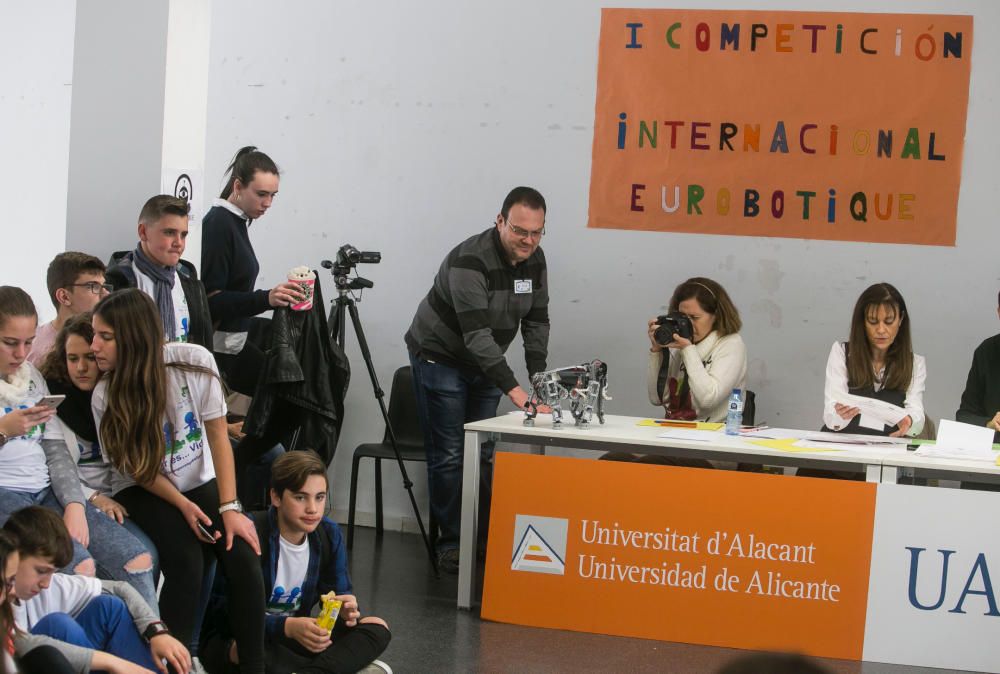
670	324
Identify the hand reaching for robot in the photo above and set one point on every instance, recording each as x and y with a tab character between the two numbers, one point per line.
520	399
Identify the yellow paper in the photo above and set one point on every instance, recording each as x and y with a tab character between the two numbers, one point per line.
693	425
786	445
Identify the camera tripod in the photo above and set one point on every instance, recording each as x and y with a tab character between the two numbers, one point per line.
346	304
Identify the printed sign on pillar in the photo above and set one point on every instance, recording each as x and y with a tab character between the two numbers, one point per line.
186	184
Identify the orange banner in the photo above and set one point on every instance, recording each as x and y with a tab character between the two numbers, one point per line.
792	124
722	558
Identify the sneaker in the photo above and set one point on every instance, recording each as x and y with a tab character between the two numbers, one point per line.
377	667
448	560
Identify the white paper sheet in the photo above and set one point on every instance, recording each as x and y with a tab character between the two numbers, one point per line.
856	439
875	412
688	434
773	433
885	447
956	440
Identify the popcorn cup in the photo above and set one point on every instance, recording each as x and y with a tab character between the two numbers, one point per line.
305	278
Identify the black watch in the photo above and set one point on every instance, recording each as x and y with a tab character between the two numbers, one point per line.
155	629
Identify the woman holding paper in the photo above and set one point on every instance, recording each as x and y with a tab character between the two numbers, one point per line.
878	363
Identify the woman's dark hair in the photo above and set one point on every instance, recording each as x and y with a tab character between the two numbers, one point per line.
245	164
131	429
898	358
8	547
15	302
40	532
54	365
132	426
712	298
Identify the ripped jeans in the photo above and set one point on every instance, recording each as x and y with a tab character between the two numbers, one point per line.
112	546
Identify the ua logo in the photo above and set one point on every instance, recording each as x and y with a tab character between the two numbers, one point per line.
539	544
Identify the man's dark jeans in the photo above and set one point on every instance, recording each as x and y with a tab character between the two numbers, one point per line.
447	399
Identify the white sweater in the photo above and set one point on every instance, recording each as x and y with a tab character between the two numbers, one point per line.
714	366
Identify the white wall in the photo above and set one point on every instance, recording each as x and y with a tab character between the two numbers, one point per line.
36	46
119	69
400	127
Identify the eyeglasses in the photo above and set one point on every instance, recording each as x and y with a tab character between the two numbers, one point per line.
523	233
94	286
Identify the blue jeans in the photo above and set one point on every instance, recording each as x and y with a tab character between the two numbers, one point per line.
111	545
104	625
447	399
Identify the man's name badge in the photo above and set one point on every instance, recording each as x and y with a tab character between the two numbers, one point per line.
522	287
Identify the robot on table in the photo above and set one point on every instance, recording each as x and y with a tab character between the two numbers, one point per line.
584	385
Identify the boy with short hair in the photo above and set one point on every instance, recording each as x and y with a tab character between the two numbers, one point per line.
304	557
95	624
76	284
156	268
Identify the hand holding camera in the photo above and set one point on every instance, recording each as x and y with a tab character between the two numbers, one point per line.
670	331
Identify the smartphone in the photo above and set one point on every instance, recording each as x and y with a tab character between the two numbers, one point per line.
205	532
51	401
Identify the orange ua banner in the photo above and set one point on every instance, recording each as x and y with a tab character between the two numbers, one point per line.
794	124
710	557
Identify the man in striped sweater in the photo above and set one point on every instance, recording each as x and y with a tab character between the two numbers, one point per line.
488	286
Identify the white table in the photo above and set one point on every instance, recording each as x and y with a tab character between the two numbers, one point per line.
623	434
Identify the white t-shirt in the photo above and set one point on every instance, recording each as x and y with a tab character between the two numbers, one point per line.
22	460
293	562
192	399
65	594
182	317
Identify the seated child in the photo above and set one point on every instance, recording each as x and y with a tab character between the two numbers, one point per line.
303	556
95	624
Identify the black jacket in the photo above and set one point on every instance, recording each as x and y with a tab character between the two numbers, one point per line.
981	397
120	275
303	382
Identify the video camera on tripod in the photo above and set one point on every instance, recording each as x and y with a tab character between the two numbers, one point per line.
348	257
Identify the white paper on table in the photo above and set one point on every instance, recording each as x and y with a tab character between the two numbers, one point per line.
850	446
961	441
874	411
688	434
855	439
773	433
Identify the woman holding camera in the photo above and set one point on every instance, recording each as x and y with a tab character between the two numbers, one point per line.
876	362
708	358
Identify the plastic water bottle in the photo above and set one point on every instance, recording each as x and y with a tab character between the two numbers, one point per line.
734	417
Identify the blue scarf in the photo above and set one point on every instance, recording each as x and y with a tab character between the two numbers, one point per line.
163	285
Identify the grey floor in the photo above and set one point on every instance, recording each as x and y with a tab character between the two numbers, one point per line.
393	580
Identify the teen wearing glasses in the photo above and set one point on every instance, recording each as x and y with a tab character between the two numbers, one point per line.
488	287
76	284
